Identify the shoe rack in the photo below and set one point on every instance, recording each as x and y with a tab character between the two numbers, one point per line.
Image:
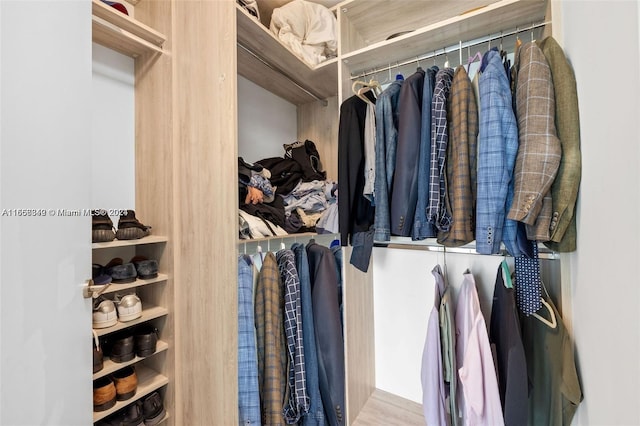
149	370
142	35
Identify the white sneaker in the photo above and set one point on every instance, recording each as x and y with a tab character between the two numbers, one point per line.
104	313
129	307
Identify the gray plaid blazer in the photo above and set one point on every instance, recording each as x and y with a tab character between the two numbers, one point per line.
539	149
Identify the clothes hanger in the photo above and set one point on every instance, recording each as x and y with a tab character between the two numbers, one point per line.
446	59
477	56
553	323
399	75
371	85
506	274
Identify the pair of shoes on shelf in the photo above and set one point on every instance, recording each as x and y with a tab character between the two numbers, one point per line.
119	386
98	355
148	411
141	342
129	228
122	273
106	312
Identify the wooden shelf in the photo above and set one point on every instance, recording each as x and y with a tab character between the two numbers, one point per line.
120	32
503	15
110	366
148	381
264	60
115	287
390	409
147	315
150	239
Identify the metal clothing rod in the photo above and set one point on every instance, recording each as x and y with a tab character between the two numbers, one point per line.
446	50
407	243
279	71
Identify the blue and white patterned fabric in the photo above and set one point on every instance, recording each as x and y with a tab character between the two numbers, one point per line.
528	282
437	211
248	390
298	402
497	150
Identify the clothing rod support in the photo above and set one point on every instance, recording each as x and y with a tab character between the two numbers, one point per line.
279	71
458	46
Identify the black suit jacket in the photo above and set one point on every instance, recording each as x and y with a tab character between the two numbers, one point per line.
355	212
329	341
404	194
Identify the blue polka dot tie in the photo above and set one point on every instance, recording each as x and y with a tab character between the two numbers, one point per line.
528	282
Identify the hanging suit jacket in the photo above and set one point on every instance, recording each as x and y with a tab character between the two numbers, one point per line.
564	190
272	356
539	151
405	181
330	344
355	212
461	161
498	147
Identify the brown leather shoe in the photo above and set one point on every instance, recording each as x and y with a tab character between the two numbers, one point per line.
104	394
126	382
98	356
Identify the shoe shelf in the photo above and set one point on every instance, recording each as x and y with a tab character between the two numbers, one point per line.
110	366
147	315
149	239
115	287
148	381
122	33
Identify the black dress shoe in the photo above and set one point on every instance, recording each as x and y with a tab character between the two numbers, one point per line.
146	338
122	349
153	409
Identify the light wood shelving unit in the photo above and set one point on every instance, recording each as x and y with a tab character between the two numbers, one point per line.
142	37
434	27
148	381
263	59
119	32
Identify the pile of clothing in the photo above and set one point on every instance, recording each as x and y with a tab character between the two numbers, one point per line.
285	195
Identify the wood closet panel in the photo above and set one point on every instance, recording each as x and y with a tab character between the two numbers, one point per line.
318	122
154	174
359	336
205	160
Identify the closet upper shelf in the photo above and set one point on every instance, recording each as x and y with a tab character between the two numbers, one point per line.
120	32
433	25
264	60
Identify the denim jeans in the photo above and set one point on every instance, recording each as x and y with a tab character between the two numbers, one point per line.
248	391
315	417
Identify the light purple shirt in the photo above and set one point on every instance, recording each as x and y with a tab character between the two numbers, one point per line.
433	391
478	396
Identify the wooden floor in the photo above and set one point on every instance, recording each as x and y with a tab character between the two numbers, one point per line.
385	409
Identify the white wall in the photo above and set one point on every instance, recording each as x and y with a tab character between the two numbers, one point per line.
258	110
601	40
113	137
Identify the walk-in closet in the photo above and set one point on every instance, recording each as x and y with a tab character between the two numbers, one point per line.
205	83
